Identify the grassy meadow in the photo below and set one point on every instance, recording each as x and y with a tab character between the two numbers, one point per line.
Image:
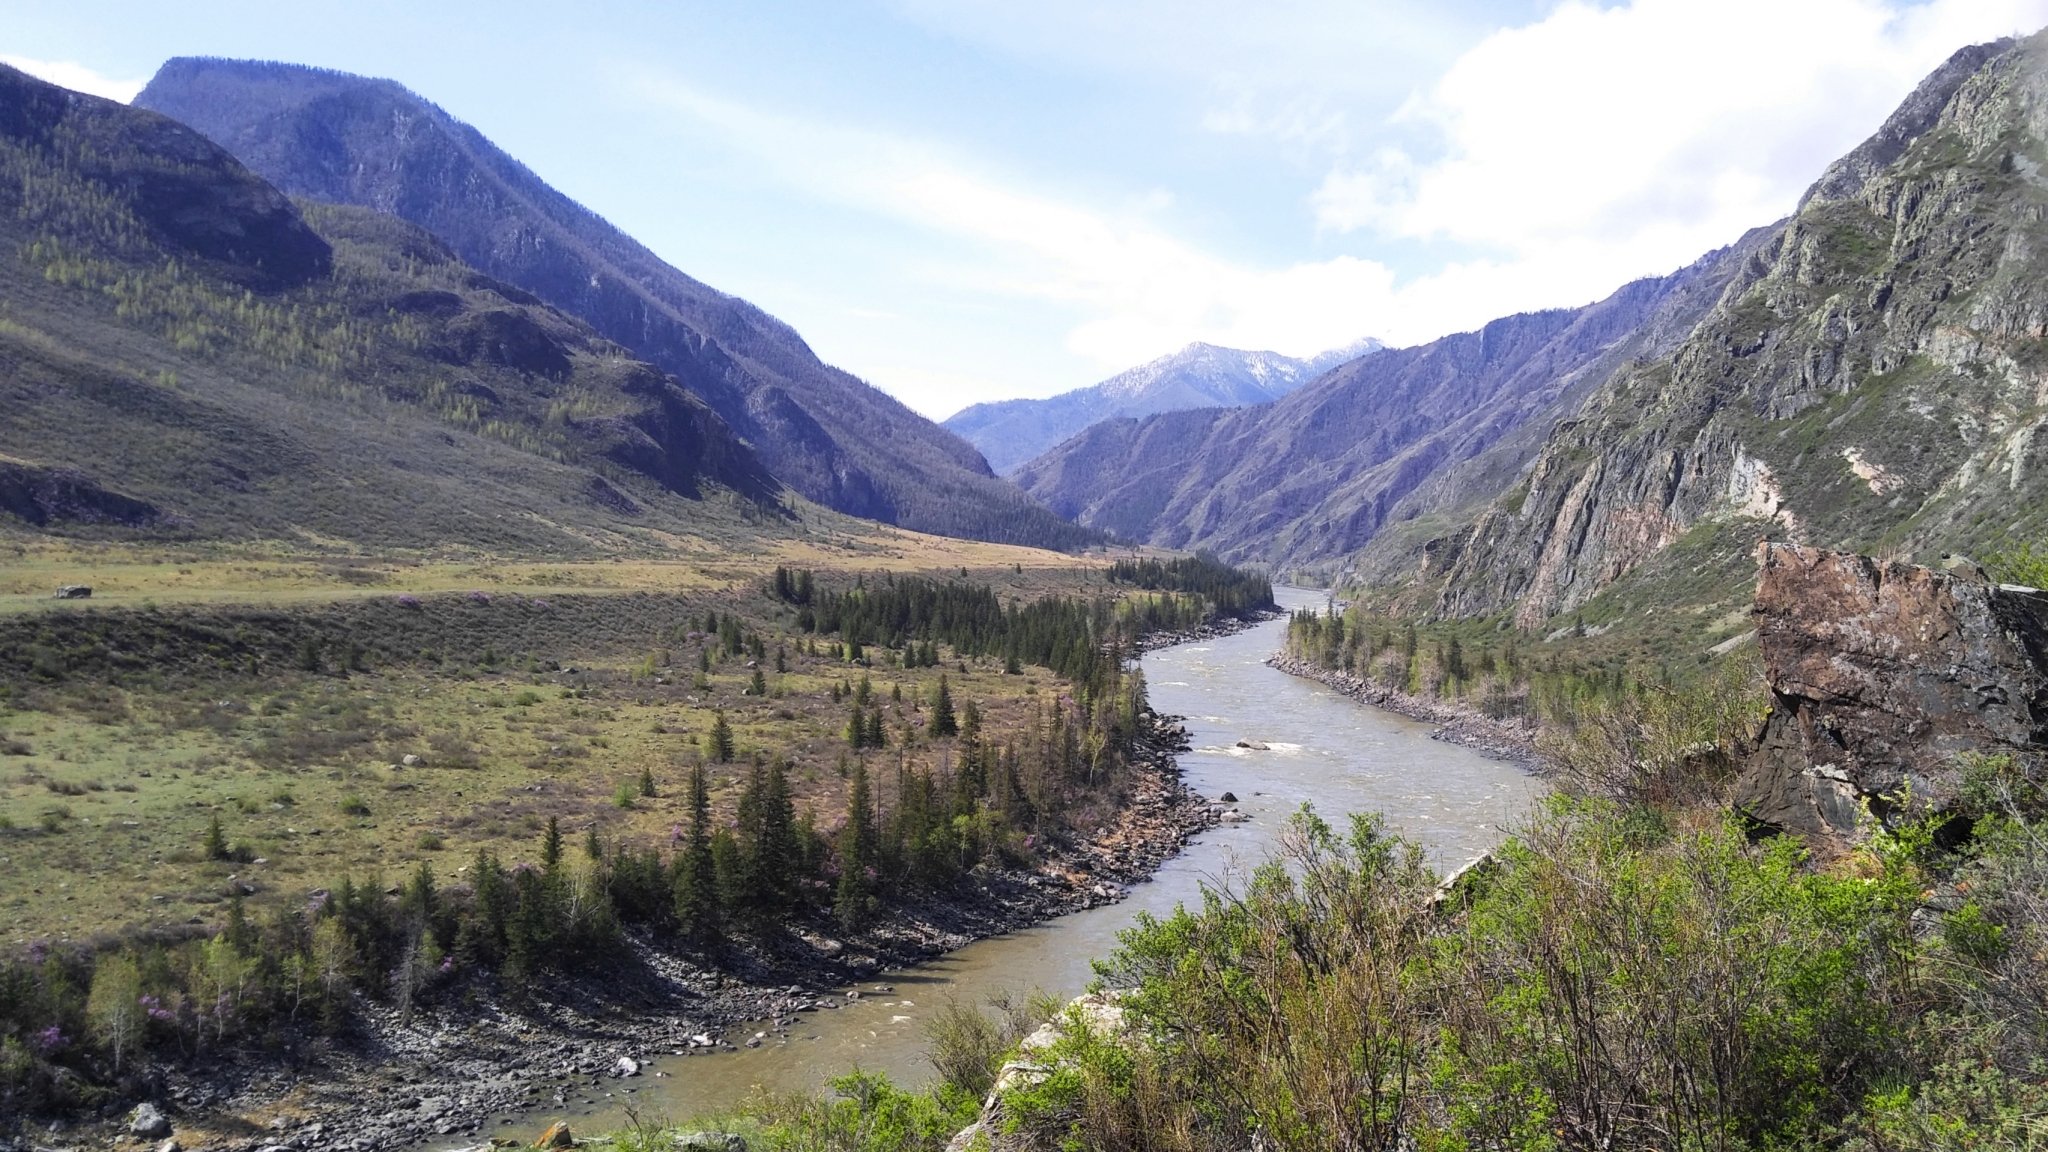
283	694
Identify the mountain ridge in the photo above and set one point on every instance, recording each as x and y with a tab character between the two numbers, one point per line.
1871	379
341	138
188	352
1377	442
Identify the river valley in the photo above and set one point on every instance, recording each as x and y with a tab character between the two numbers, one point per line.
1318	748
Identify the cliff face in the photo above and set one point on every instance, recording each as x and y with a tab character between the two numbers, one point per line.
1870	378
1414	434
371	143
1881	674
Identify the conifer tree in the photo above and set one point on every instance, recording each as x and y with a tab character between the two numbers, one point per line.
551	845
696	881
943	721
856	855
719	745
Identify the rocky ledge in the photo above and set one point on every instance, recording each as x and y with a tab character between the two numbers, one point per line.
1510	740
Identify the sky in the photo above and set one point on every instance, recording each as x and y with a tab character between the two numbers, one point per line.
971	200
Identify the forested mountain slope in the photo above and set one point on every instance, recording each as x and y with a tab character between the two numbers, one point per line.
185	352
350	140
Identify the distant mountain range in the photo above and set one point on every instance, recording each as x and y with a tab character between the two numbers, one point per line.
1011	432
1867	374
345	139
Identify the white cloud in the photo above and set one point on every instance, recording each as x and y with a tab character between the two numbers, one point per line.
77	77
1571	155
1138	290
1638	136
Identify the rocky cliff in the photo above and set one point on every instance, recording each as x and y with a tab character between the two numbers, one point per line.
1871	377
1882	675
352	140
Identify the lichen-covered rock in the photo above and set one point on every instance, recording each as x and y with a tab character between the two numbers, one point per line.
557	1136
1882	674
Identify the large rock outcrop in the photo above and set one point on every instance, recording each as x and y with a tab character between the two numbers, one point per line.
1883	675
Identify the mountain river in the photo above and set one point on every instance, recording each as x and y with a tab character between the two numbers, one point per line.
1320	748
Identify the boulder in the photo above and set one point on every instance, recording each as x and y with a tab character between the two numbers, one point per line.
627	1066
148	1122
1228	798
74	592
557	1136
1881	675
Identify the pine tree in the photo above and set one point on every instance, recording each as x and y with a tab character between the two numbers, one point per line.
876	736
647	781
216	845
758	686
719	745
943	722
696	881
551	845
856	855
856	729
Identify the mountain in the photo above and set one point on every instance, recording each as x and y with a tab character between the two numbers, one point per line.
1400	437
185	352
1010	432
346	139
1874	378
1867	375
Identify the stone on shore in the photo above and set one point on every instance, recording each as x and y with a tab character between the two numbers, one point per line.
148	1122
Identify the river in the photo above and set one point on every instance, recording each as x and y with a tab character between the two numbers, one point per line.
1321	748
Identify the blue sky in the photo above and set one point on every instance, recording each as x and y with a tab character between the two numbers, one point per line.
964	200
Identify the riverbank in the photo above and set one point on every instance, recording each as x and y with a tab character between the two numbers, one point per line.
466	1063
1510	740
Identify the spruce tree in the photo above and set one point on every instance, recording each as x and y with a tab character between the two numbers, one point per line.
758	686
856	855
551	845
943	721
719	745
216	845
696	881
647	781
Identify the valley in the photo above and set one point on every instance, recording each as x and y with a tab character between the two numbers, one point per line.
461	674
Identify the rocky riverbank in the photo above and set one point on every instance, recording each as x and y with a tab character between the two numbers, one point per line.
1510	740
1226	626
470	1063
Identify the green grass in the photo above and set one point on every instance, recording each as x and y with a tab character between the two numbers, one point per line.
306	769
